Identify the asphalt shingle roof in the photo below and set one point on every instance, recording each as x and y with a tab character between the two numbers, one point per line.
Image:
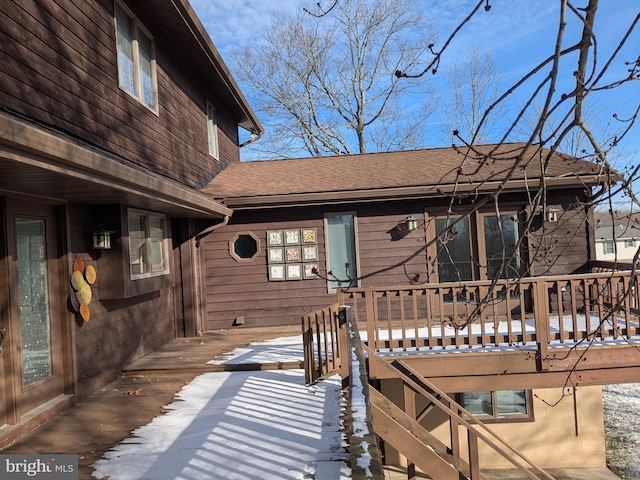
438	168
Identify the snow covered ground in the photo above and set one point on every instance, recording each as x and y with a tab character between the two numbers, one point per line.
262	425
268	425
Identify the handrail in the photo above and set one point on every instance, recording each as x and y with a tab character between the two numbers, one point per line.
538	311
456	412
321	343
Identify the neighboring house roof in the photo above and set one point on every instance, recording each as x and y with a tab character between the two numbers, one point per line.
416	173
622	232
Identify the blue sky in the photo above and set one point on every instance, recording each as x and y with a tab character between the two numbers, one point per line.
518	33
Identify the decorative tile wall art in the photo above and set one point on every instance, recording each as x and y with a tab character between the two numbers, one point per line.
276	272
292	254
294	271
274	237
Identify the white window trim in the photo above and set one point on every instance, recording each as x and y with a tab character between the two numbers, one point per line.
212	131
138	28
146	245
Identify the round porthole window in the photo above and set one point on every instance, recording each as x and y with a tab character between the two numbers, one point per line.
244	246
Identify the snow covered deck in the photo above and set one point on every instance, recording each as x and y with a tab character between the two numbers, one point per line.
561	323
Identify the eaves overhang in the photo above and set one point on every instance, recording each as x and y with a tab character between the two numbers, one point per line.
185	39
406	192
44	164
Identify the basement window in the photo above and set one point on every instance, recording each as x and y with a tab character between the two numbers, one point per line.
499	406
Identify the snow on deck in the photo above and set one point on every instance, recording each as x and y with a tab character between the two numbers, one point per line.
261	425
502	329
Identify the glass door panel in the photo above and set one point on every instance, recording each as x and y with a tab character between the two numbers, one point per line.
341	250
35	331
454	250
501	240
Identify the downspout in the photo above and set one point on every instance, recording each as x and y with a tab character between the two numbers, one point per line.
210	229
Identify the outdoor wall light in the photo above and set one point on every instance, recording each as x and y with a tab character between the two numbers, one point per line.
101	239
411	223
551	215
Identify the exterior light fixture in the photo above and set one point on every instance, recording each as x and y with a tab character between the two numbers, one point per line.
411	222
101	239
551	215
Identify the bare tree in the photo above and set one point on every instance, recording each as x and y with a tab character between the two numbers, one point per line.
473	86
325	84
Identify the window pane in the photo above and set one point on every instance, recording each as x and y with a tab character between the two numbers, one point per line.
156	237
609	247
512	402
34	310
477	403
137	237
342	249
501	238
212	130
126	66
245	246
454	250
146	70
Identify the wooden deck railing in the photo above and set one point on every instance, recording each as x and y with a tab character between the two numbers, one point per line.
536	311
539	312
321	342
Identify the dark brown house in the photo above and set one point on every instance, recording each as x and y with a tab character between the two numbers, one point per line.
385	215
113	115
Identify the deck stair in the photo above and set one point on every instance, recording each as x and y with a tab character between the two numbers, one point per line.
405	434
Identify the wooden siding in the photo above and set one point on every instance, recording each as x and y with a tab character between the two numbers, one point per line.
241	289
59	67
120	330
562	247
385	257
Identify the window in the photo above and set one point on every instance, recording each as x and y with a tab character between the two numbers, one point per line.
630	243
212	131
474	248
244	246
609	246
340	231
136	58
148	249
502	405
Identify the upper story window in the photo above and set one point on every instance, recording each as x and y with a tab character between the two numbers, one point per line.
136	58
630	242
212	131
148	244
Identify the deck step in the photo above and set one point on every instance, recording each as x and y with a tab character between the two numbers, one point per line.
148	367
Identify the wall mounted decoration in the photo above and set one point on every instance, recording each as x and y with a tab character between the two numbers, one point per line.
309	253
274	237
294	271
276	272
308	271
81	280
292	254
292	237
275	255
309	235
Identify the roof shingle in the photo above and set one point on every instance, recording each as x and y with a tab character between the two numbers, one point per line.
437	170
